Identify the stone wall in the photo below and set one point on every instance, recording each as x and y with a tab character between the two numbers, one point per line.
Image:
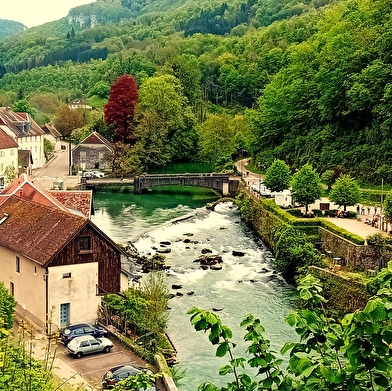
342	294
353	256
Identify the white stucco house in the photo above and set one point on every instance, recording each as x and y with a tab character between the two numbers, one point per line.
55	261
8	156
26	132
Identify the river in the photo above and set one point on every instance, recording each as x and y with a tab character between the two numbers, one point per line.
246	284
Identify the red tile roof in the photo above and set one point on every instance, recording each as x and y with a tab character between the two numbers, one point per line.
96	138
81	200
32	191
36	231
6	141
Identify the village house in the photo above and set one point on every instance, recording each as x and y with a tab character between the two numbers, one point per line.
94	152
53	136
80	104
55	261
26	132
8	156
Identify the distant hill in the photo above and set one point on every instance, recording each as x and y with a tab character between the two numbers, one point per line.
10	27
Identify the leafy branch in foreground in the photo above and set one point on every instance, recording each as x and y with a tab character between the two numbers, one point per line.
352	353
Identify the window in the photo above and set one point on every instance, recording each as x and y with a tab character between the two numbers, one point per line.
85	243
12	289
35	269
67	275
84	344
82	155
17	265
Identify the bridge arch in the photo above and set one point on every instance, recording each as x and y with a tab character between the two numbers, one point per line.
223	183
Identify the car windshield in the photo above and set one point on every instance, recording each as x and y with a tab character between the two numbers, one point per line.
99	340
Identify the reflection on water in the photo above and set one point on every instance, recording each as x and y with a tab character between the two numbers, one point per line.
246	284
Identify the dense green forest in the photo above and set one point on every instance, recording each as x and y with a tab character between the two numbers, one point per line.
10	27
303	81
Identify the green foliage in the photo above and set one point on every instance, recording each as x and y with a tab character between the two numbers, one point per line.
166	130
142	311
156	291
345	192
306	186
10	174
245	207
349	354
388	206
216	136
48	149
20	371
277	177
328	178
7	307
23	106
293	251
142	381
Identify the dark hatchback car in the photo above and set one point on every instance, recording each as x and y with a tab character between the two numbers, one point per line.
122	372
80	329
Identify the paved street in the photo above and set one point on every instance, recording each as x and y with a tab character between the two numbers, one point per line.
56	169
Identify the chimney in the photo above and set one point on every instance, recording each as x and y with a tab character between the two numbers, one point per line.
20	192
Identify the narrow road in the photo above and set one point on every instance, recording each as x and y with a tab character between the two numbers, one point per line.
56	169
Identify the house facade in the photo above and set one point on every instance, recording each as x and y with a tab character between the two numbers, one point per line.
53	136
94	152
26	132
55	261
8	156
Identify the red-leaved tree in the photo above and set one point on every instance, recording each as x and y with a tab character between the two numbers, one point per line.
119	111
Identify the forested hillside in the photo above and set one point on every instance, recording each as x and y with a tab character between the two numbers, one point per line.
10	27
303	81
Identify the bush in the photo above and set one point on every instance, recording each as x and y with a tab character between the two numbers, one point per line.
294	212
329	213
317	212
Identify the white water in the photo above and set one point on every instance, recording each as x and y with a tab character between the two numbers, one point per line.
245	285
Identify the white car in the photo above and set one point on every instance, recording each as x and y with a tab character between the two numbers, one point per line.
258	186
86	344
98	174
93	174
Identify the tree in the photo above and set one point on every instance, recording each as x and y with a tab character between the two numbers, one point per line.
306	186
277	177
7	307
67	119
349	354
388	206
166	125
328	178
293	251
23	106
48	149
10	173
216	136
345	192
120	109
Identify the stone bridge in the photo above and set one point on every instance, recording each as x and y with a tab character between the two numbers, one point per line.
226	184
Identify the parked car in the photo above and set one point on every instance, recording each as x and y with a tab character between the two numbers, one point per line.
98	174
122	372
86	344
77	330
258	186
93	174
